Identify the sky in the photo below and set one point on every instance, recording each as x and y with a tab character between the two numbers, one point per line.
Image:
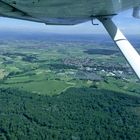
123	20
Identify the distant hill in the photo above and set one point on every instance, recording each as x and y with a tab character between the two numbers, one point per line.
102	39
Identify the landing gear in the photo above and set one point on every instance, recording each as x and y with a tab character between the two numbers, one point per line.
124	45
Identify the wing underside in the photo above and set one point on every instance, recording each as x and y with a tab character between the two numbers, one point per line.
63	11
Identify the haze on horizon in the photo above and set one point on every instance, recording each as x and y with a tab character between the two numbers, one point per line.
124	20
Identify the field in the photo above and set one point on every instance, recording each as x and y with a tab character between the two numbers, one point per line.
50	68
67	89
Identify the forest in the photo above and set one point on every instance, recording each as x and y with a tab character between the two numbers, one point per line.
67	90
76	114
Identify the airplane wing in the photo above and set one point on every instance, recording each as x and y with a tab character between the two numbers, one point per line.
63	12
70	12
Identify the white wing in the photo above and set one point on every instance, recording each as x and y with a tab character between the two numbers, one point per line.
71	12
63	11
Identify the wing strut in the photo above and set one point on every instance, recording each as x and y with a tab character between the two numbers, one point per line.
124	45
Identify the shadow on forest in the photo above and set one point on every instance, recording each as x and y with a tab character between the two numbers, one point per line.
78	113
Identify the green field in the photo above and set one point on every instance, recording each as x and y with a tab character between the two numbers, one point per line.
61	90
49	70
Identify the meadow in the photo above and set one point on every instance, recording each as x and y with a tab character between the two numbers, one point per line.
62	89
